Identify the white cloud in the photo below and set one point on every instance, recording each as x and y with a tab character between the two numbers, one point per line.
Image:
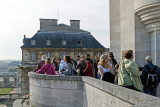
19	17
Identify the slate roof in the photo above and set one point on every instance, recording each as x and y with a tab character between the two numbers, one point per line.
56	37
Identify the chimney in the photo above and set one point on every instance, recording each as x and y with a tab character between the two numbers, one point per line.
47	22
75	23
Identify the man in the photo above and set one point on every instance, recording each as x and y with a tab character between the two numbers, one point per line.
112	59
88	56
62	66
148	70
89	69
41	63
78	59
96	66
81	66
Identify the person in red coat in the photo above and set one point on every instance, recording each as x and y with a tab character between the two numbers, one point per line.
89	69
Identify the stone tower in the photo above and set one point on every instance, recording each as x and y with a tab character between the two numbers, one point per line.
135	25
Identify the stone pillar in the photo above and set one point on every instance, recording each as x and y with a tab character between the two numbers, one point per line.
5	81
24	78
15	81
155	49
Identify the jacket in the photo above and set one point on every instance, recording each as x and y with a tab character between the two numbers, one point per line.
89	70
40	64
129	74
50	69
69	71
145	71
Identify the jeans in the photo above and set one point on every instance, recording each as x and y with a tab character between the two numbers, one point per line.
151	91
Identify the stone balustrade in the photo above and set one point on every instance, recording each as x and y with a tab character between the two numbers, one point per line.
64	91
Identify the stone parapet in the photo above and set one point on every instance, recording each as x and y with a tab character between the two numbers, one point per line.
64	91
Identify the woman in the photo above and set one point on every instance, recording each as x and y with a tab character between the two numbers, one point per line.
89	69
55	64
69	71
47	68
129	74
105	69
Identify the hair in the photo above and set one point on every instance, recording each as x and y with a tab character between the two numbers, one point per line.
128	54
44	57
78	56
68	59
88	55
48	61
59	59
102	60
88	59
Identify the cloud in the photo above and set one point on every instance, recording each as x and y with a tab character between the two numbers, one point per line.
19	17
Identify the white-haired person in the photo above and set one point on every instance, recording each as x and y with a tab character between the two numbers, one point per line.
41	63
150	77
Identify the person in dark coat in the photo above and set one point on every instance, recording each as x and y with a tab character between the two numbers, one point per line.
91	61
81	66
41	63
55	64
112	59
95	65
89	69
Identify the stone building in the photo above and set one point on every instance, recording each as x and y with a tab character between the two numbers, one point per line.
135	25
57	40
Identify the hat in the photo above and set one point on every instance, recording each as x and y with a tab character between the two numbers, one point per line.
148	58
88	59
111	54
88	55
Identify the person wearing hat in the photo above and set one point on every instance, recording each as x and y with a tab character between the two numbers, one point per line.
149	66
88	56
111	58
89	68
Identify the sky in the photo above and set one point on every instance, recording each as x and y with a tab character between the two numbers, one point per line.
21	17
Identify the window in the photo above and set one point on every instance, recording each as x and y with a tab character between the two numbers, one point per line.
48	42
64	42
33	42
33	57
49	54
79	42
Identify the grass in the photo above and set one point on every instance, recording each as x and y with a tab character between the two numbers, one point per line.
5	90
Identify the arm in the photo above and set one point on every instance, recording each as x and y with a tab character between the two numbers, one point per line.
87	69
68	70
110	67
134	69
41	71
101	71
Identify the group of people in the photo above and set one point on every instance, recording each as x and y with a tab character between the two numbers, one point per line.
126	74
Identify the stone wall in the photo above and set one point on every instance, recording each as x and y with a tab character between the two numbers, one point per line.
63	91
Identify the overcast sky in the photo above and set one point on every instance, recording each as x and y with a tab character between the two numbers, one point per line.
19	17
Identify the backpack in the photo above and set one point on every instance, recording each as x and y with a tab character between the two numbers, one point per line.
151	79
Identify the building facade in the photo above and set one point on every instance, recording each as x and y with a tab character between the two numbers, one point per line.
57	40
135	25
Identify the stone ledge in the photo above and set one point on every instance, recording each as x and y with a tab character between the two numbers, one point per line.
52	77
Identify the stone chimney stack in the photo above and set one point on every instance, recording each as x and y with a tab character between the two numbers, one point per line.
75	23
47	23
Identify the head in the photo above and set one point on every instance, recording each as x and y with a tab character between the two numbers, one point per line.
48	61
110	54
87	60
103	60
82	57
44	57
128	54
88	56
78	58
67	59
148	59
96	58
55	60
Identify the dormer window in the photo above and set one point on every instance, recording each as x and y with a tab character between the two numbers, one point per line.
48	42
79	42
64	42
33	42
